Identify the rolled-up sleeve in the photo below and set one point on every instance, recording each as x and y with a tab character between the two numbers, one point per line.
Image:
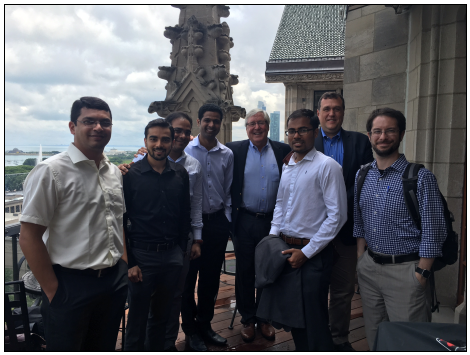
358	230
40	196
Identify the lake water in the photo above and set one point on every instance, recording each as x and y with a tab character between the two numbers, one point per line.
13	159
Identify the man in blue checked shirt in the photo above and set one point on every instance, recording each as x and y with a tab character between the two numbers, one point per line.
394	287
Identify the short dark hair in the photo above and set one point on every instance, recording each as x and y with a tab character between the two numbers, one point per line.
331	95
173	116
303	112
88	102
389	112
159	122
211	108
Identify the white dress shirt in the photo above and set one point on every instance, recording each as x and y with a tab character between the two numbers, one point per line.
311	201
217	169
82	207
193	167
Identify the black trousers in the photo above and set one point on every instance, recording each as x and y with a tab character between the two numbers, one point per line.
316	274
215	236
150	299
86	311
248	233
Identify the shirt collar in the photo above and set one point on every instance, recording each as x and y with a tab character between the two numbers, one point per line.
325	136
147	167
182	157
197	143
77	156
310	155
265	147
399	164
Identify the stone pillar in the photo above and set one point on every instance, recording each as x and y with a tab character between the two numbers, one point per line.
200	67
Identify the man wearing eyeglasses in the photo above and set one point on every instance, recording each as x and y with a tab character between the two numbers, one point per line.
350	150
311	208
257	172
393	271
72	236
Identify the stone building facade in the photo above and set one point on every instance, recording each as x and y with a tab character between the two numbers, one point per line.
413	59
315	63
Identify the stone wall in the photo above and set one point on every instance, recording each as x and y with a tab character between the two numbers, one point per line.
414	62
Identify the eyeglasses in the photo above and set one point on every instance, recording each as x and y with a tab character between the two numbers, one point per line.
300	131
187	133
259	123
387	132
91	123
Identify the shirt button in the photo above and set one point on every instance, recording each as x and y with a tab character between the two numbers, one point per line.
375	212
380	179
263	188
374	230
376	195
262	177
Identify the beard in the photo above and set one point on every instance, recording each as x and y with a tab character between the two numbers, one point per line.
152	154
386	152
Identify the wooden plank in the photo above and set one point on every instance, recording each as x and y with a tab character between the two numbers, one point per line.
355	313
259	344
357	334
285	346
356	323
361	345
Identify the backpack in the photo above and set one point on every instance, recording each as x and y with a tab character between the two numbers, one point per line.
450	248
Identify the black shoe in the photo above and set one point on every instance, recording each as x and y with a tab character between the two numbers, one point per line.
344	347
211	336
196	343
171	348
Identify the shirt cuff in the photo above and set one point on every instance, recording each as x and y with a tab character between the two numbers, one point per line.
34	220
197	234
308	251
274	230
228	214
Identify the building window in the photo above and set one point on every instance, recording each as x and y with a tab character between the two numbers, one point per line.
18	208
7	209
316	97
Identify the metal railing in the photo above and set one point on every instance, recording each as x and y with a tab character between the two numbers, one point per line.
13	231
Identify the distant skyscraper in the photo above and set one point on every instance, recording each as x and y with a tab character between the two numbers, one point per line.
261	105
274	127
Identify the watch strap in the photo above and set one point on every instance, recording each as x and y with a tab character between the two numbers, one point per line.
424	272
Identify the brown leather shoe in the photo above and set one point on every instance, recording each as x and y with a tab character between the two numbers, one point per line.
248	332
267	330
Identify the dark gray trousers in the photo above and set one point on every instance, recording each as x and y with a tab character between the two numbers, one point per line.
316	273
150	299
248	233
86	311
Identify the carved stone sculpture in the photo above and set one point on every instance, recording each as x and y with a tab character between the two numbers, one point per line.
200	67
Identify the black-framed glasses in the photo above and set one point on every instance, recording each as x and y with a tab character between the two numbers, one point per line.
300	131
92	123
187	133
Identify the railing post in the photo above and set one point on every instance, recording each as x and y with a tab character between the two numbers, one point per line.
14	252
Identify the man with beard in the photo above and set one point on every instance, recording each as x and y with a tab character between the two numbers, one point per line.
258	164
157	198
350	150
72	236
310	210
392	272
182	125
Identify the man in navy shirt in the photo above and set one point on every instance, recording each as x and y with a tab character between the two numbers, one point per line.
392	272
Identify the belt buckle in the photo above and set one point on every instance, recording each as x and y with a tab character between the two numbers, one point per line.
262	215
158	247
99	273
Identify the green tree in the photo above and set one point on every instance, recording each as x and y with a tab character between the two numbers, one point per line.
30	161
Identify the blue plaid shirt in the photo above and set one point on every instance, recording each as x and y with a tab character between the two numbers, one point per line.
384	221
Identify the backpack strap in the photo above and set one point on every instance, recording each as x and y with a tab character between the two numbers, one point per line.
360	179
410	191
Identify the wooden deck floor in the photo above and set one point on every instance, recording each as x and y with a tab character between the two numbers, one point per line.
224	308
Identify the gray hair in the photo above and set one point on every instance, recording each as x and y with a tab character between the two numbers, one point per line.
254	112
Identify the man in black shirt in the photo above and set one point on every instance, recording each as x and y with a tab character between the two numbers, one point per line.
157	198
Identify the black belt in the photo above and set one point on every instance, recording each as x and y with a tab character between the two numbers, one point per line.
152	246
217	214
258	215
392	259
89	272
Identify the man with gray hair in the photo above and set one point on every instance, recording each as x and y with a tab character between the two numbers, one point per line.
257	172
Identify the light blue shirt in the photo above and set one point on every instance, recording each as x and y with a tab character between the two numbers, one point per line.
193	167
217	169
261	180
333	147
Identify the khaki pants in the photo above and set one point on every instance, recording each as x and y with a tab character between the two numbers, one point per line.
391	292
343	279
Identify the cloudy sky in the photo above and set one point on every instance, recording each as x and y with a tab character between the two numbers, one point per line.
56	54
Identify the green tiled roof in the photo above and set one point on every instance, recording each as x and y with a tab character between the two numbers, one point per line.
309	32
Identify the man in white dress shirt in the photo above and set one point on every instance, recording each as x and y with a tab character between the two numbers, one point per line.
72	236
311	208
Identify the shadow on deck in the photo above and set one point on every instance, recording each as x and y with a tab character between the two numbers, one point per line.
224	307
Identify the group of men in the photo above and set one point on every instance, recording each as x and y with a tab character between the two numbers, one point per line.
93	237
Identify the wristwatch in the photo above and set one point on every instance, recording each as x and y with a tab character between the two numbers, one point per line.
197	241
424	272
